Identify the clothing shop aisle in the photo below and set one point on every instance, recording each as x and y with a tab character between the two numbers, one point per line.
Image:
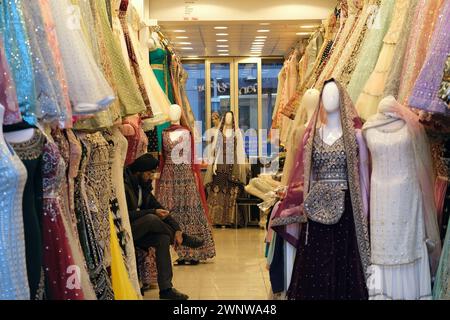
238	271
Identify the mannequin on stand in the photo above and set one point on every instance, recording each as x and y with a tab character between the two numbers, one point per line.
227	173
180	189
402	209
333	247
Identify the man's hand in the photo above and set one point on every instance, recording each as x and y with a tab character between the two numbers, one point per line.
178	238
162	213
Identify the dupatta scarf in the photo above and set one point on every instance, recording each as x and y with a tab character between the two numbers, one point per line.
291	208
390	111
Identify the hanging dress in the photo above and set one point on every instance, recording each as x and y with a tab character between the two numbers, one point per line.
88	89
8	95
18	54
13	269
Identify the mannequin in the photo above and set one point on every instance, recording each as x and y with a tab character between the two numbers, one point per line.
327	195
180	189
175	118
402	207
154	42
331	131
227	173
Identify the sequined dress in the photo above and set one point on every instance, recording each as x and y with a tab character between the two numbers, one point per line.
398	249
178	193
328	264
62	275
13	269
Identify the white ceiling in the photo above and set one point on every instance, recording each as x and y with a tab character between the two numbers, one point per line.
200	38
243	19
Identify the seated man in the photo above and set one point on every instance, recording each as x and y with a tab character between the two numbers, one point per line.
151	225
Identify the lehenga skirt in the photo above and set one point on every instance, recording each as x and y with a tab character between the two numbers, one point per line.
178	193
328	264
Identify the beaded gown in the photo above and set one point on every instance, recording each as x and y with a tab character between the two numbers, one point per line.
399	257
328	264
8	96
177	192
13	269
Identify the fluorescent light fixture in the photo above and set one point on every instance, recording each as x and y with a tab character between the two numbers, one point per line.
222	50
259	41
303	33
264	24
224	54
192	57
221	34
222	40
220	28
187	48
222	46
261	37
263	30
184	43
182	37
308	27
179	31
257	46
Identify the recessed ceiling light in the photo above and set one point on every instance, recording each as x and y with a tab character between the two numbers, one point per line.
259	40
221	34
224	54
220	28
257	45
222	46
222	40
187	48
303	33
184	43
261	37
307	27
179	31
222	50
182	37
263	30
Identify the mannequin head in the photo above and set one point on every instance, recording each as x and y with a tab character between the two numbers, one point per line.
331	97
229	119
175	114
153	41
310	102
387	104
215	118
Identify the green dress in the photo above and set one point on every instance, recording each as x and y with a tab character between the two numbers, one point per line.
160	66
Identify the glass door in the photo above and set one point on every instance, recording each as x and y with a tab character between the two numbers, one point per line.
219	88
248	102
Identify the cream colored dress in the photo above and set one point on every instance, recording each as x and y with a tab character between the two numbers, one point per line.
367	102
399	258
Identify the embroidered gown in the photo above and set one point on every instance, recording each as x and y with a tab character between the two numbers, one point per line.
328	264
178	193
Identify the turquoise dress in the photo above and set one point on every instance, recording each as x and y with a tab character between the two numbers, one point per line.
160	66
18	54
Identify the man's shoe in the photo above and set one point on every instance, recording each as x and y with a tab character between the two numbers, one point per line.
192	242
172	294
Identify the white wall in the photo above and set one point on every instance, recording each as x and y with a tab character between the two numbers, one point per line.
234	10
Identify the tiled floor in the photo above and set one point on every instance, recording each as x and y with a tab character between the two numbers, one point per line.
238	271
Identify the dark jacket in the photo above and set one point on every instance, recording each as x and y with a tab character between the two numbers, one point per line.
149	203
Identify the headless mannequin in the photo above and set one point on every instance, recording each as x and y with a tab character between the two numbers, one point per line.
310	103
332	130
394	125
175	116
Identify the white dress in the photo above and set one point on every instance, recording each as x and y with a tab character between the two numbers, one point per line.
88	89
399	259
